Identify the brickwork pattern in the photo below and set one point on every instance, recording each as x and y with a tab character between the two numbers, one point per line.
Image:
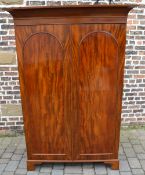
133	111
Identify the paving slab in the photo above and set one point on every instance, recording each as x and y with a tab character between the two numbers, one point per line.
124	165
143	164
21	172
138	149
13	158
89	172
46	169
57	172
12	166
122	157
22	163
112	172
130	152
125	173
134	141
7	155
8	173
58	166
100	169
16	157
72	170
138	172
2	167
4	161
32	173
141	156
88	165
134	163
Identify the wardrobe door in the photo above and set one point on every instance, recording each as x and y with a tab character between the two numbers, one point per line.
95	66
43	55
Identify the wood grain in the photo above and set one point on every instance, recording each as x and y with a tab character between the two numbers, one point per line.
97	53
97	69
71	79
46	87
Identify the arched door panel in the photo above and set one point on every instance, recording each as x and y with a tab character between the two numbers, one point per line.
97	96
46	90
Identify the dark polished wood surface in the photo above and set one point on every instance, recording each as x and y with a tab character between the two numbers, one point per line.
114	13
71	77
97	90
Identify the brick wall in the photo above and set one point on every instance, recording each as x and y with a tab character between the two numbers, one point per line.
133	111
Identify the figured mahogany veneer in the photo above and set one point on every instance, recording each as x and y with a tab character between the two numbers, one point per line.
71	62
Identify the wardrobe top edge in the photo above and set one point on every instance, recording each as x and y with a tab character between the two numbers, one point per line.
130	6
